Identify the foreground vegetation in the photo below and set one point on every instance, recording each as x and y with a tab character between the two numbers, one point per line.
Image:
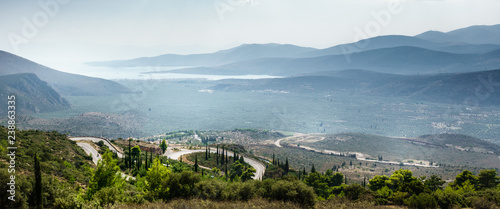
68	180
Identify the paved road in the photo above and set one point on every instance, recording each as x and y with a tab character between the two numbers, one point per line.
95	140
277	143
259	167
90	150
95	155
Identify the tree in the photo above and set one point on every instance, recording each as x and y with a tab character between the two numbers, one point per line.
196	163
313	170
37	191
136	152
287	167
463	177
105	175
206	152
129	154
248	174
319	183
434	183
146	161
155	175
488	179
222	159
274	163
163	145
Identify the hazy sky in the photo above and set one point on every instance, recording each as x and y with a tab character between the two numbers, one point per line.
72	31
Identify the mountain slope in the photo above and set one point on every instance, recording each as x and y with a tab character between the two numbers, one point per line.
378	42
63	83
240	53
399	60
32	94
445	88
478	34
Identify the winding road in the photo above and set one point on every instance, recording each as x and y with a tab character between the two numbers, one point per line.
259	167
95	155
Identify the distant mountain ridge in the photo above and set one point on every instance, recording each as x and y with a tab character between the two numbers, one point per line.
461	51
239	53
399	60
478	34
32	95
63	83
454	88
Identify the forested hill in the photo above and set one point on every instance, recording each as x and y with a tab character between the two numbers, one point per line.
32	94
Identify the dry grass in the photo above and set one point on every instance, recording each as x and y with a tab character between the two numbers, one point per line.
254	204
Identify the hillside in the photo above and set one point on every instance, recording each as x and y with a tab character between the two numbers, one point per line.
429	148
124	125
63	83
32	94
240	53
444	88
64	166
398	60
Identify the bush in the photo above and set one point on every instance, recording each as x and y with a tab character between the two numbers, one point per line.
482	203
240	191
448	198
210	189
355	191
107	195
421	201
293	191
180	185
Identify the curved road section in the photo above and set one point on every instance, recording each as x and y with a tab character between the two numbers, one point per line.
259	167
95	140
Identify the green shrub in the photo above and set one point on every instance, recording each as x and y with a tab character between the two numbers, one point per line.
293	191
355	191
210	189
107	195
449	199
421	201
482	203
240	191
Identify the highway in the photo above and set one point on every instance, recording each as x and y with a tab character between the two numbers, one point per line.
259	167
95	140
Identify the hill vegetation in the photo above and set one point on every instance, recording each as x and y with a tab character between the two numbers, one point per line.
64	83
32	94
68	182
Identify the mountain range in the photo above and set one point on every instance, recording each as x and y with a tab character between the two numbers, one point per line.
66	84
476	48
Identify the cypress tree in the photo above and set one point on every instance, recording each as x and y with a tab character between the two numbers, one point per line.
206	152
129	154
209	152
227	157
274	162
38	184
222	157
313	170
146	159
304	171
286	166
196	163
234	157
150	159
225	171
